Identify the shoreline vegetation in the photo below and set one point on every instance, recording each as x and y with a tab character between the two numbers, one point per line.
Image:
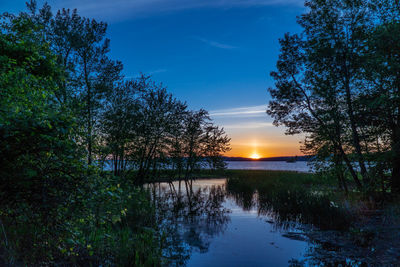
345	228
66	104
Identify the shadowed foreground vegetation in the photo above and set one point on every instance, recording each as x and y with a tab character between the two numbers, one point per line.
66	108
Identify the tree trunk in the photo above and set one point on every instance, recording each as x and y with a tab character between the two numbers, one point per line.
355	135
395	180
350	167
89	111
395	184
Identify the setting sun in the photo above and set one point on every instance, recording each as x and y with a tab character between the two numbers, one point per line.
255	156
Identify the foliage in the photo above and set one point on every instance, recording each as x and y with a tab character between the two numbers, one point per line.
65	107
146	131
337	81
289	197
38	173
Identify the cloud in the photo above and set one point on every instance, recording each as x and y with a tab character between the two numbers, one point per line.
117	10
252	111
215	44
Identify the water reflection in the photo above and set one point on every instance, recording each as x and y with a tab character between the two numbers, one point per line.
191	214
288	206
329	230
220	223
300	215
204	225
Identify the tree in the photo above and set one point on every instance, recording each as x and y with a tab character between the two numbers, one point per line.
382	72
216	143
41	169
62	100
158	113
118	126
319	79
82	50
339	82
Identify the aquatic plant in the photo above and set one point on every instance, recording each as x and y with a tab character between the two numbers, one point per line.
289	198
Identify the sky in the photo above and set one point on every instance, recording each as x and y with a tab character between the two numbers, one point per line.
213	54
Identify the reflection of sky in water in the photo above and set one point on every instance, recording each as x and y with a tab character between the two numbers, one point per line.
248	240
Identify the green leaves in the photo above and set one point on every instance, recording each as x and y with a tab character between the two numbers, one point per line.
64	102
337	82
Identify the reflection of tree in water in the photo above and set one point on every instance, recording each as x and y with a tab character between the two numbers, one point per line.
288	205
189	217
243	196
318	221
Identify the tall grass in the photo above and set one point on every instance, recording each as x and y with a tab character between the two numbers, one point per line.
289	197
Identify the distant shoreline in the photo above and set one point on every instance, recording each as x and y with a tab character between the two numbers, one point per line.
228	173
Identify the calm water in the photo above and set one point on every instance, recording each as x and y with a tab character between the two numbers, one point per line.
214	228
300	166
248	240
220	222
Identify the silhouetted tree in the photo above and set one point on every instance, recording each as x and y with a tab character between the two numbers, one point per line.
320	79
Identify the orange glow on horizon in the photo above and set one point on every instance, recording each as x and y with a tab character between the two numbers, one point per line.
264	150
255	156
264	145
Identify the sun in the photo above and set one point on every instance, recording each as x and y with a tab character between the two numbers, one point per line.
255	156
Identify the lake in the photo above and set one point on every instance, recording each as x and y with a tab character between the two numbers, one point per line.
214	227
300	166
261	218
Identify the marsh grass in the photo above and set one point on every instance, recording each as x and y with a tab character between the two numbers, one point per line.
290	197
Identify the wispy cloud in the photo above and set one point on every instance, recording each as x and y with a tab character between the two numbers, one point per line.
148	73
215	44
252	111
122	9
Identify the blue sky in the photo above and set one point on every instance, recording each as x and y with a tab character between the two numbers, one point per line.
213	54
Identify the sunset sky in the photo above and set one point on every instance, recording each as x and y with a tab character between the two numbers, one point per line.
213	54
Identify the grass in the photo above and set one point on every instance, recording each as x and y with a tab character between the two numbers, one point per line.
290	197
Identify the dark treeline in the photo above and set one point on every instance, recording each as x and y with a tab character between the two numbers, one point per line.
143	131
67	108
338	81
